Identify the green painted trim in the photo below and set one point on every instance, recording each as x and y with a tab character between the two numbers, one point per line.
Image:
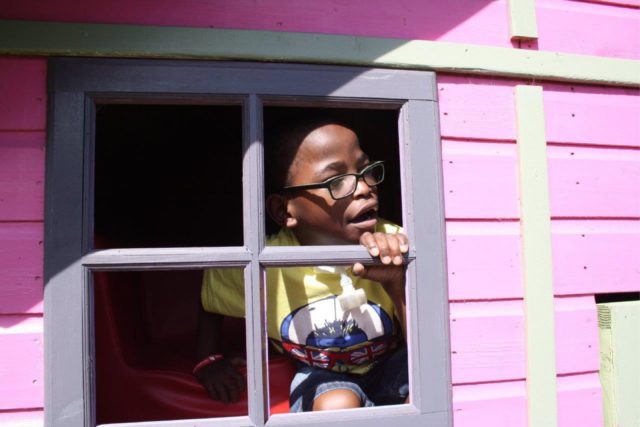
537	265
64	39
619	324
522	19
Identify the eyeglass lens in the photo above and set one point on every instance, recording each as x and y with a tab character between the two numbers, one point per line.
346	185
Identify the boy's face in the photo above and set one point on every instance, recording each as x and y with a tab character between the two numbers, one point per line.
315	217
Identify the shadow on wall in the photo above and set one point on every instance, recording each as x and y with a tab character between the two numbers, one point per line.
406	19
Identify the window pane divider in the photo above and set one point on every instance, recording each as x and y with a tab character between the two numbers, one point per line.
254	289
157	258
319	255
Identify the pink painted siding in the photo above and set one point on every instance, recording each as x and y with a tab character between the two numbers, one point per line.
594	180
22	176
482	330
21	369
592	115
564	26
588	28
23	89
594	176
503	404
21	263
22	140
596	256
27	418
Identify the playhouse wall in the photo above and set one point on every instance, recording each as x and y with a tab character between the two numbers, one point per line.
593	151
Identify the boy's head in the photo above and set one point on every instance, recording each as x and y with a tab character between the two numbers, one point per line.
312	153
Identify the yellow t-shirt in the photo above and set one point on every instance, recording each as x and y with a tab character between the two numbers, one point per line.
304	318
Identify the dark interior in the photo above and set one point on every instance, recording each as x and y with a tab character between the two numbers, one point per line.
171	176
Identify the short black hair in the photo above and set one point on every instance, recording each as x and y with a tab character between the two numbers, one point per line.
282	144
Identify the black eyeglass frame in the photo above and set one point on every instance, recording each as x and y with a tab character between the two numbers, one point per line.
327	183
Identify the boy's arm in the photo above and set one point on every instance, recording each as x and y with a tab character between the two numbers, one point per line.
221	379
389	248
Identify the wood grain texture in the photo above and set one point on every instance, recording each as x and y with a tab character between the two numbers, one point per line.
503	404
580	401
576	323
477	21
488	339
522	20
53	38
484	260
589	256
592	115
596	256
569	26
480	180
594	182
476	108
589	182
536	257
483	108
21	264
21	362
22	176
23	93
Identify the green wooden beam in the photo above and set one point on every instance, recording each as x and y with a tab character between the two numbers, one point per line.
65	39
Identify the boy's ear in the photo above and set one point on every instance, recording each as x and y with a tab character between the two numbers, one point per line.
278	210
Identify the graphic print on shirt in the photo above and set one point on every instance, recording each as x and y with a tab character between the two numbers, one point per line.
321	334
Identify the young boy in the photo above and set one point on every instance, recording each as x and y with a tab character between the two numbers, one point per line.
323	192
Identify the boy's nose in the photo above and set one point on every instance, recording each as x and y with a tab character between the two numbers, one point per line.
362	188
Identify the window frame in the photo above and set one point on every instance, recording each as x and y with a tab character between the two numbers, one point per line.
75	85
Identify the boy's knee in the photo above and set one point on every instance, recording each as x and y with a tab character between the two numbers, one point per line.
337	399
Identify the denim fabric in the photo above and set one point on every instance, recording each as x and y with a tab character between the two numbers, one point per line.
387	383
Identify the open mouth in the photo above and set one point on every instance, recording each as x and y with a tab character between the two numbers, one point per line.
369	215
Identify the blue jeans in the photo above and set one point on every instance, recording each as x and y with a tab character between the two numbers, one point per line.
387	383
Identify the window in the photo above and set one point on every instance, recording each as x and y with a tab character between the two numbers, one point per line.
83	243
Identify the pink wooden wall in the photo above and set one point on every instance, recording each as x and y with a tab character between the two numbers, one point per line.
22	141
594	172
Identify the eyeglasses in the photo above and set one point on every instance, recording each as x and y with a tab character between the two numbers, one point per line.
344	185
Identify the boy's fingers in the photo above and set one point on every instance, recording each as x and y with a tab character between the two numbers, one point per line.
358	269
394	249
383	246
368	241
404	242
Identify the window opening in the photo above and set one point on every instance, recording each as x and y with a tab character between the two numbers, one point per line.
168	176
377	131
146	347
90	95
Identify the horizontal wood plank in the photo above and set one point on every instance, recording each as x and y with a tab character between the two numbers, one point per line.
21	264
24	95
483	108
578	114
480	180
476	107
484	260
589	256
568	26
503	404
488	339
21	362
596	256
580	401
594	182
22	176
480	21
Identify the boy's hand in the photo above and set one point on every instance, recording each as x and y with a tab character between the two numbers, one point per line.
390	248
222	380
